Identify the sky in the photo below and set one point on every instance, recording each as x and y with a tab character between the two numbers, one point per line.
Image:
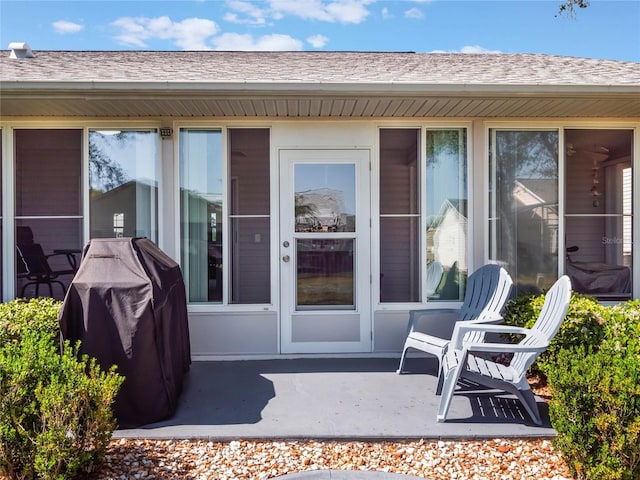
607	29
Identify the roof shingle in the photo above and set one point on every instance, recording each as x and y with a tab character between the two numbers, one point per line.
317	68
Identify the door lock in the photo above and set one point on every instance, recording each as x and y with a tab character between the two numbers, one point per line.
285	244
286	258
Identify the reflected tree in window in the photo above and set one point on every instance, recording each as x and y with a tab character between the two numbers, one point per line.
523	194
306	214
123	178
104	173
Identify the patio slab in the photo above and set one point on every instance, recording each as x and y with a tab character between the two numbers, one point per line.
334	398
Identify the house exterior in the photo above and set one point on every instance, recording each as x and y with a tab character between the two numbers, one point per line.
304	194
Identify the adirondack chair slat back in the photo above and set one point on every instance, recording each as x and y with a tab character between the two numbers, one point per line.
488	289
554	309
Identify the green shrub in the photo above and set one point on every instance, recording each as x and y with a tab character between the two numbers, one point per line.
583	324
595	406
37	315
55	409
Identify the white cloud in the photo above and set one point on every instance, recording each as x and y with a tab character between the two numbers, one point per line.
468	49
385	13
477	49
250	13
317	41
275	42
189	34
415	13
63	26
341	11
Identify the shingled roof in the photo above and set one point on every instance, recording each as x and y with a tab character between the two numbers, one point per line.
318	67
369	84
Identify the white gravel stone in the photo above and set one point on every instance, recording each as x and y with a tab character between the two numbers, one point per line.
501	459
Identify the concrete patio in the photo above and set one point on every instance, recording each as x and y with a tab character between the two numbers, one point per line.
354	398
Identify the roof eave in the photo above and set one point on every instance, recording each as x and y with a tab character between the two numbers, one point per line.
311	87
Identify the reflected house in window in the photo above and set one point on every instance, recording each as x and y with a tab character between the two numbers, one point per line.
536	205
116	212
447	234
118	225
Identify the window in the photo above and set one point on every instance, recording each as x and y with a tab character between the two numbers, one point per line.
201	199
447	218
523	203
599	212
249	216
206	247
123	181
48	213
118	225
401	217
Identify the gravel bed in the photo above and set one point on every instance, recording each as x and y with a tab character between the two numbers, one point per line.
199	460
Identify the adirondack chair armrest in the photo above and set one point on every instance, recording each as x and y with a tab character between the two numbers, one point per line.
462	328
505	347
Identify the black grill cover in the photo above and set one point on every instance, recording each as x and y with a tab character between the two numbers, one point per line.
127	305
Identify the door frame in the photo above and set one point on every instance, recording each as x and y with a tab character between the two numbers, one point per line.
325	322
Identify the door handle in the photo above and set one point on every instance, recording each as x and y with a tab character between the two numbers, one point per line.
286	258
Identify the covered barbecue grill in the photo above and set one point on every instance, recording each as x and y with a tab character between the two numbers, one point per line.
127	305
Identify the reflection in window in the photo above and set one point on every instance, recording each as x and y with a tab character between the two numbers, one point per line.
523	201
123	179
201	204
325	273
400	215
118	225
599	211
48	213
325	198
447	219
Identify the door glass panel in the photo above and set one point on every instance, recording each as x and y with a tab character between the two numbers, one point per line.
123	183
325	197
523	197
325	273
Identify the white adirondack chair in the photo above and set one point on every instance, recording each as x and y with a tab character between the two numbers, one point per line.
434	275
460	360
430	330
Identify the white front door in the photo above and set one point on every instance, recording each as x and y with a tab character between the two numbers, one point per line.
325	271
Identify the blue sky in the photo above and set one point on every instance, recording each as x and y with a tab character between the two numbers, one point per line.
608	29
